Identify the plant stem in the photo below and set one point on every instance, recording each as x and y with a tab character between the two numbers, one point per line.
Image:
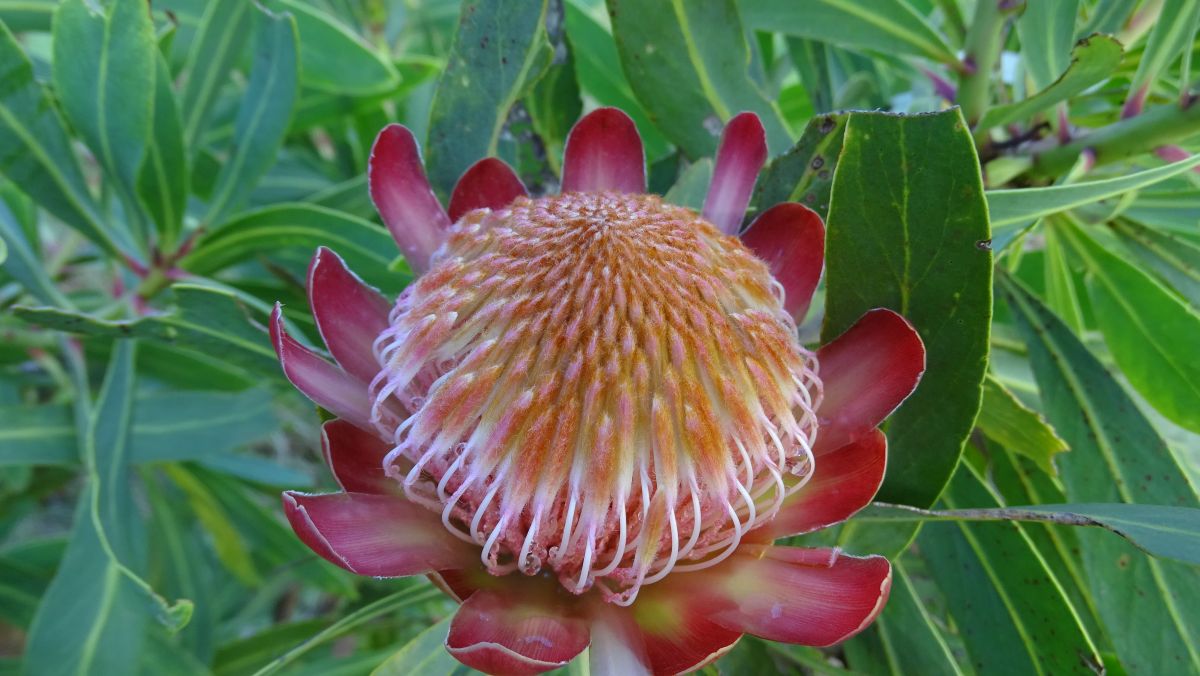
984	38
1159	126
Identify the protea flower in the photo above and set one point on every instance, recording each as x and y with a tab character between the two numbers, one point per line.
590	416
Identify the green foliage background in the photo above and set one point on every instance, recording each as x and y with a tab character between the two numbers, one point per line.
167	174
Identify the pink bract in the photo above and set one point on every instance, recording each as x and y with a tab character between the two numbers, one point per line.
589	417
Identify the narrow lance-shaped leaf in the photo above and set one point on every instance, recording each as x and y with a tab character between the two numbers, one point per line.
1176	260
263	116
1153	334
219	42
1013	613
35	152
1116	457
1093	59
104	75
889	26
689	65
1174	32
334	58
92	616
905	236
499	52
904	639
24	264
1047	30
163	181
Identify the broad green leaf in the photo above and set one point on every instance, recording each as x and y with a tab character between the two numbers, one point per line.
904	638
262	117
35	151
1011	610
1092	60
811	61
595	54
1047	31
1116	457
1176	260
692	186
1153	335
334	58
913	240
163	182
23	262
1023	205
804	173
207	320
217	46
1004	419
424	654
888	26
499	53
1172	33
367	248
689	65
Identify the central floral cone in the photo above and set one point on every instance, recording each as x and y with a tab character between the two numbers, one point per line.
590	416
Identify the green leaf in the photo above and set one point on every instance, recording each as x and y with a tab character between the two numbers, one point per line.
913	240
1151	332
805	173
245	655
25	265
692	186
27	15
424	654
334	58
35	152
888	26
207	320
595	52
1116	457
92	619
263	115
1061	293
1167	532
554	105
1013	615
414	593
1177	261
104	75
904	638
367	248
217	46
1008	422
1092	60
163	183
1023	205
1172	33
689	65
500	51
1047	30
225	538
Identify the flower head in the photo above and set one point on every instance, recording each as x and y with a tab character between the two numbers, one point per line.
590	416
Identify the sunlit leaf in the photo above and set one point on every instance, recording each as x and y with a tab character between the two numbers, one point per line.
912	239
1005	419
